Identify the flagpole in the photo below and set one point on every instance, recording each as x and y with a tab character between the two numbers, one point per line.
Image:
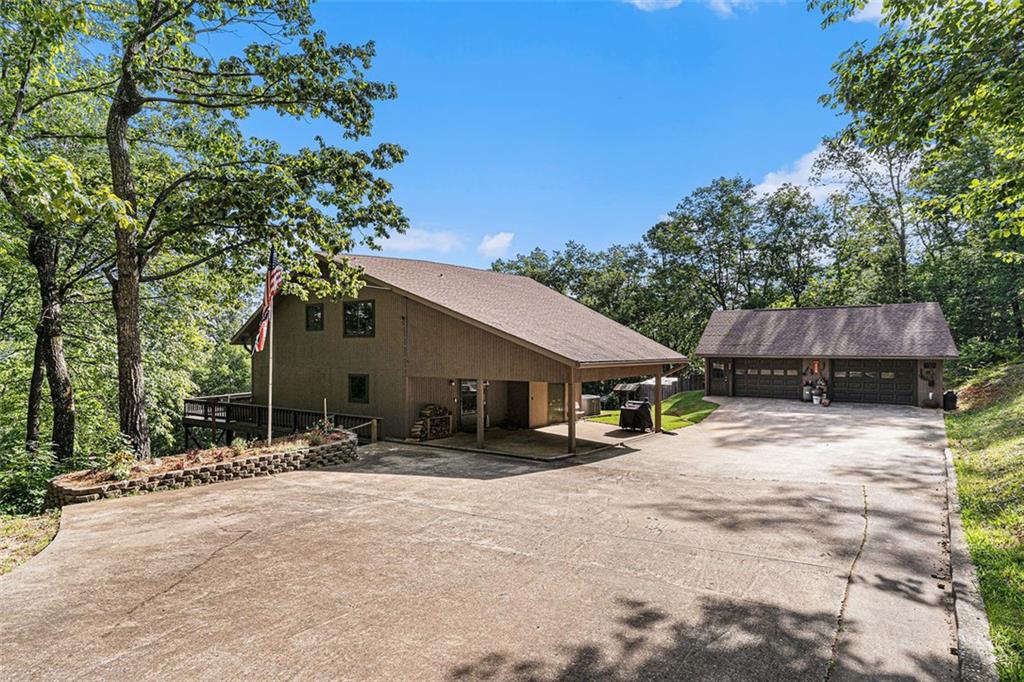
270	376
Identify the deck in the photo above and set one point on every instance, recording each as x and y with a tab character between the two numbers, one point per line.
229	414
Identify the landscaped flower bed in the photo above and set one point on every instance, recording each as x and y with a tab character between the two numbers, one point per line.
205	466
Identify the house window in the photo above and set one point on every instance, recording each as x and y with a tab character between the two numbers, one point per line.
315	317
359	388
888	375
359	318
717	370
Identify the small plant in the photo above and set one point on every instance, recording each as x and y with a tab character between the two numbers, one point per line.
239	446
321	432
119	463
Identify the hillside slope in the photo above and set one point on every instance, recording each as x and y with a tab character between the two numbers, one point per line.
987	438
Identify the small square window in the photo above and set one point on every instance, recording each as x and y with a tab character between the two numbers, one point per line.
888	375
359	318
315	317
840	375
359	388
766	372
791	372
740	371
779	372
856	374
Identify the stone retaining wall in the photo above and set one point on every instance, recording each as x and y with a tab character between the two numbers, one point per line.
311	457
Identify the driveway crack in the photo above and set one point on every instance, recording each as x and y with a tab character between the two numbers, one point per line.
184	576
834	659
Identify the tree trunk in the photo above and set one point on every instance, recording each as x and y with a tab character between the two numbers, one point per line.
1018	318
131	392
35	395
43	253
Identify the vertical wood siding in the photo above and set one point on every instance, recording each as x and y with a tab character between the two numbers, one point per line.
443	346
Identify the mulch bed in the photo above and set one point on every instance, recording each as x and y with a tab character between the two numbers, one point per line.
195	458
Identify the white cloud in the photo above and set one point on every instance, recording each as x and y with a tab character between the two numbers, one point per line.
799	173
495	245
417	239
654	5
724	8
870	12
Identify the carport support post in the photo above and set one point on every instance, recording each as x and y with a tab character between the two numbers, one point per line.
657	400
481	406
570	411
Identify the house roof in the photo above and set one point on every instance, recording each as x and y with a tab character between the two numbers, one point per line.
515	307
897	330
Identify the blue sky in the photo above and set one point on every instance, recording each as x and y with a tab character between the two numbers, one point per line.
529	124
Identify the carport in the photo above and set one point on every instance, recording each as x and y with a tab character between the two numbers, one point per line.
891	354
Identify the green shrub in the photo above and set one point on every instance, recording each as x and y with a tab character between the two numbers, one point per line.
238	446
976	354
120	459
24	475
316	437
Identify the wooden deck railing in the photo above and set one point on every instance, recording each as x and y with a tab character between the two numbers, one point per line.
234	412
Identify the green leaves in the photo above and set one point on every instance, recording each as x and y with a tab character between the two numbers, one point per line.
944	73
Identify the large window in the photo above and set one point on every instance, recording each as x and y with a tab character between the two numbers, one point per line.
315	317
717	370
359	388
359	318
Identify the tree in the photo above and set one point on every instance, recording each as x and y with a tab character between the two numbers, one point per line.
709	234
48	204
223	198
943	73
878	188
796	237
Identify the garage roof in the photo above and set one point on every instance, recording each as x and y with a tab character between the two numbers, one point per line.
896	330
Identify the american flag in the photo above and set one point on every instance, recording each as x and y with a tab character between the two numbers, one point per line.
274	276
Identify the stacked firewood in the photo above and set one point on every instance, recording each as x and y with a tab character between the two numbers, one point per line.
434	422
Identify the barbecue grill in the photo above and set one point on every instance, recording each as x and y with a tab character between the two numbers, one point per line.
636	415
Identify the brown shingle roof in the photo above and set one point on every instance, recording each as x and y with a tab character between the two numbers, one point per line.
519	307
898	330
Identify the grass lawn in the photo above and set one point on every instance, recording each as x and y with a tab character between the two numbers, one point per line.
22	537
987	438
677	411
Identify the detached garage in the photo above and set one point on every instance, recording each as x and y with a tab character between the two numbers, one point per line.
889	353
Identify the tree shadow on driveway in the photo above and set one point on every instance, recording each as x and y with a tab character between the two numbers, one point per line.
729	640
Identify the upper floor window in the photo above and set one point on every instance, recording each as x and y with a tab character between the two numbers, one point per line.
315	317
359	318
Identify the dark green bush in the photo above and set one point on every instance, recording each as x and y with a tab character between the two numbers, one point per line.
24	475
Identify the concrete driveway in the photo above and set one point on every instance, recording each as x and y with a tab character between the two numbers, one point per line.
772	541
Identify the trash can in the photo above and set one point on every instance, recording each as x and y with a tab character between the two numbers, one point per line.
949	401
807	393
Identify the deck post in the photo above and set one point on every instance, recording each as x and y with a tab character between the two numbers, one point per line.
657	400
373	430
480	413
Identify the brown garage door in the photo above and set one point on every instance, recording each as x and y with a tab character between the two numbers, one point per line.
767	377
874	381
